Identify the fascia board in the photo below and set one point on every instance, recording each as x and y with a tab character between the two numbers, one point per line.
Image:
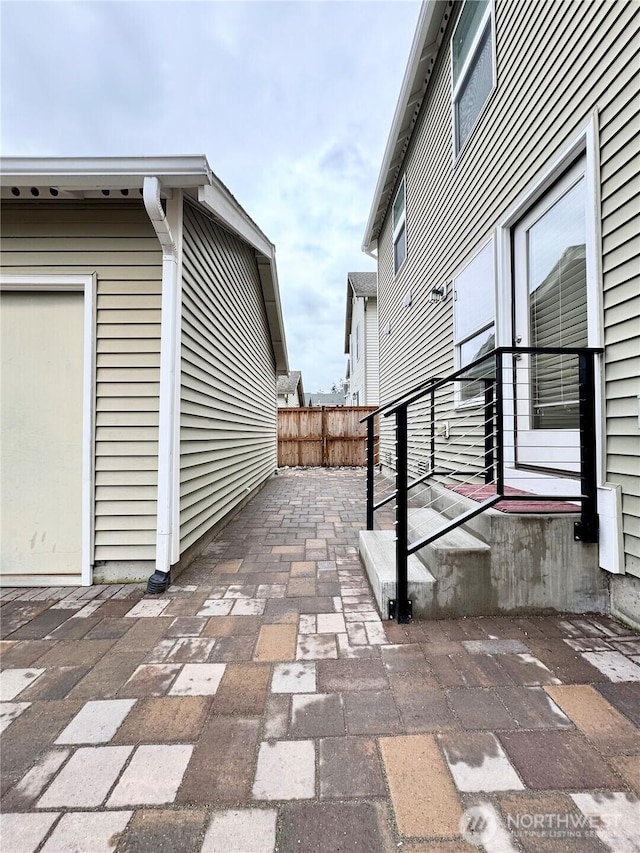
271	295
105	172
347	323
227	210
431	13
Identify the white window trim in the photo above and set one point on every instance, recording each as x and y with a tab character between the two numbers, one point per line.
478	400
584	142
455	88
397	226
87	285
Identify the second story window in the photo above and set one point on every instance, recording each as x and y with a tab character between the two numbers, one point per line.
399	228
472	66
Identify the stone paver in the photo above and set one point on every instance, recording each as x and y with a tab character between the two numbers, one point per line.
152	776
423	796
87	777
285	771
22	833
478	763
98	832
262	704
97	722
241	831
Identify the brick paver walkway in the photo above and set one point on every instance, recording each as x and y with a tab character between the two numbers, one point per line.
262	705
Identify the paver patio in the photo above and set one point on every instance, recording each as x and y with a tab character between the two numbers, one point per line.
261	705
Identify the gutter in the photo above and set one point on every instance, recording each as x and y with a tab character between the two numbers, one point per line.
161	578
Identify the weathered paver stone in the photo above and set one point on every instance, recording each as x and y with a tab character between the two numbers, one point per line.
14	681
478	762
350	767
286	771
316	715
276	643
479	708
23	833
329	828
97	722
222	765
98	832
152	776
87	777
614	665
618	818
606	728
168	719
198	679
424	799
10	711
241	831
294	677
557	760
623	696
243	689
532	708
371	712
164	831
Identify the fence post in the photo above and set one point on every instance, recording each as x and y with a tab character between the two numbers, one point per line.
586	530
488	431
370	464
325	455
402	603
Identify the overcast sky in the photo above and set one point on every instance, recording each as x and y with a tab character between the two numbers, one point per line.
291	102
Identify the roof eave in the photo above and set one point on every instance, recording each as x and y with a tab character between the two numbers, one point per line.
424	49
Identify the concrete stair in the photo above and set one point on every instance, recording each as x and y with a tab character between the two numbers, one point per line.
496	563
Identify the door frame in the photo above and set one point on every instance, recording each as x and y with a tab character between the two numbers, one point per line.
85	283
584	143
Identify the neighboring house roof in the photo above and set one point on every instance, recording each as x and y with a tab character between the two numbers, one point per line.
291	384
97	177
358	284
424	50
325	399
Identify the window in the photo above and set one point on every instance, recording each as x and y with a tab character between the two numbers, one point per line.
399	228
474	318
357	342
472	66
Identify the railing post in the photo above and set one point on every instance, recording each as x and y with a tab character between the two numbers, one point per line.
370	464
499	414
488	431
402	603
586	530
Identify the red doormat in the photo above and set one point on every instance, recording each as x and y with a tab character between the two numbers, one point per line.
527	504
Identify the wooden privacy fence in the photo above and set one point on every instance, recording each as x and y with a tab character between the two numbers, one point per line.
323	436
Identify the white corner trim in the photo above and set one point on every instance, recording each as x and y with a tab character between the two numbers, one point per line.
87	285
611	545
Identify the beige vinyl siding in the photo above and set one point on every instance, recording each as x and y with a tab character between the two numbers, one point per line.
358	326
115	240
556	64
371	357
228	386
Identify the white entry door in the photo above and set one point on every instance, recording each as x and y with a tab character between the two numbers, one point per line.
550	284
41	420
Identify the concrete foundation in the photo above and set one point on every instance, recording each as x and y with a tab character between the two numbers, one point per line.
625	599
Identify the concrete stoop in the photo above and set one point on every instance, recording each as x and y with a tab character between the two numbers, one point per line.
499	563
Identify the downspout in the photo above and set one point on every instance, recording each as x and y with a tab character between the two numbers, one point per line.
160	579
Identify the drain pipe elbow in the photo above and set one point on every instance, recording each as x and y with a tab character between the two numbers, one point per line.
161	578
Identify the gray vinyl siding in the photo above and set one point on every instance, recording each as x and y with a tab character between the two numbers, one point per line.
117	242
228	427
556	64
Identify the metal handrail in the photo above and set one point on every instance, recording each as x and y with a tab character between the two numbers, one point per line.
585	530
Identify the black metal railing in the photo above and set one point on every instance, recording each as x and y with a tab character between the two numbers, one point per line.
491	404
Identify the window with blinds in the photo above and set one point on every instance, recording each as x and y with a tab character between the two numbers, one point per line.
471	66
556	267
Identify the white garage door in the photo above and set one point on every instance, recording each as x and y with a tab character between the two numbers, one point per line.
41	432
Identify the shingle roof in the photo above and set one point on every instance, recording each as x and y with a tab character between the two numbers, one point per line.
363	283
288	384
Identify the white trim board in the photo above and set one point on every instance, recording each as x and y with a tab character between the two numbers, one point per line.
87	284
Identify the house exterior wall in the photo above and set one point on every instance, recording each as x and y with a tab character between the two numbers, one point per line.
557	64
228	427
116	241
363	380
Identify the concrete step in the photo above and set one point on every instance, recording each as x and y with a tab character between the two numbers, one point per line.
460	564
378	554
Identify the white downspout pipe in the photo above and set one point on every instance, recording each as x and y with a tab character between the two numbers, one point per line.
159	581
